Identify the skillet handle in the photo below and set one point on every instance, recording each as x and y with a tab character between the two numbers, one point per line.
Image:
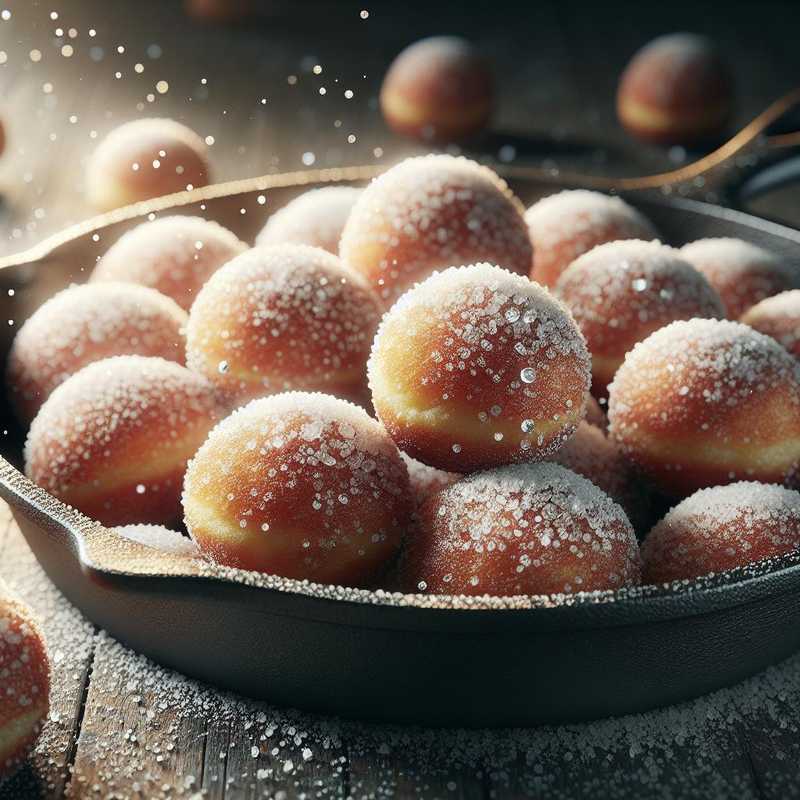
767	159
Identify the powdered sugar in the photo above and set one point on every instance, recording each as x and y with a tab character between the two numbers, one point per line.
316	218
429	213
175	255
742	273
567	224
159	538
523	529
283	317
83	324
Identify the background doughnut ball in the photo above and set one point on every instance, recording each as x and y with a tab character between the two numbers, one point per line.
742	273
600	460
430	213
621	292
283	317
708	402
426	480
143	159
315	218
114	439
477	367
159	538
175	255
24	683
438	89
526	529
675	90
87	323
300	485
779	317
721	528
565	225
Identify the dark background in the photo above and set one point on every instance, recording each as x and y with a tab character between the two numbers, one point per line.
557	64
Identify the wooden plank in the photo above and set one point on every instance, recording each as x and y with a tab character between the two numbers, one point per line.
153	732
70	641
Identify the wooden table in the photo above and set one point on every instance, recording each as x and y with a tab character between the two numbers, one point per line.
122	727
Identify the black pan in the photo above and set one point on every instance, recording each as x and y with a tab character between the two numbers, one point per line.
407	658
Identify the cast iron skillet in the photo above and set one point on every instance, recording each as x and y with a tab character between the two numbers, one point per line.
382	656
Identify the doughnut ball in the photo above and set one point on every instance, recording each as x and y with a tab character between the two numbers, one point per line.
143	159
283	317
779	317
426	480
114	439
523	529
87	323
707	402
159	538
316	218
300	485
438	90
620	292
722	528
675	90
24	683
567	224
477	367
742	273
430	213
591	454
175	255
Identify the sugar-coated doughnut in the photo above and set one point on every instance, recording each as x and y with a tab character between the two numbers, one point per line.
742	273
87	323
621	292
283	317
300	485
477	367
145	158
707	402
525	529
315	218
779	317
24	682
430	213
175	255
159	538
438	89
568	224
721	528
676	89
113	440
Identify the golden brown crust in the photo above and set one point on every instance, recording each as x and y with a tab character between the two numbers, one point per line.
431	213
300	485
438	89
114	439
708	402
477	367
